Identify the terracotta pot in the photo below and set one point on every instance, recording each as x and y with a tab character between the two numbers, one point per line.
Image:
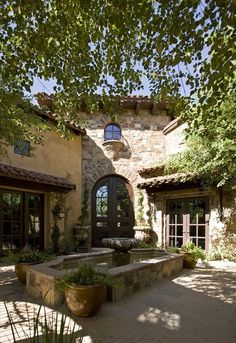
189	260
85	301
21	270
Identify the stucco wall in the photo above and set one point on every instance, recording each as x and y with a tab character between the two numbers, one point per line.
175	140
60	157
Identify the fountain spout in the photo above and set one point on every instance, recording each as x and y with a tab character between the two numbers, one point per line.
121	246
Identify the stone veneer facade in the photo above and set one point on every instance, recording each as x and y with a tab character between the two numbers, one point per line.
144	144
148	138
222	202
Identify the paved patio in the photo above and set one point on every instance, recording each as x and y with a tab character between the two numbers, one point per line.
196	306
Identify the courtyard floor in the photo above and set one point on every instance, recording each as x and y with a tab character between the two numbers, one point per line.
195	306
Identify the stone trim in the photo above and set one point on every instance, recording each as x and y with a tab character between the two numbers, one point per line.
172	125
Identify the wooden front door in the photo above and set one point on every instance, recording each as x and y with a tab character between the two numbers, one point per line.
112	209
187	220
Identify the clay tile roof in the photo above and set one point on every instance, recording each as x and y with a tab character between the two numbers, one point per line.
173	179
147	172
59	183
129	101
45	101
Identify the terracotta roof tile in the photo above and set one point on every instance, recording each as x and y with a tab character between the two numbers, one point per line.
173	179
129	101
147	172
35	177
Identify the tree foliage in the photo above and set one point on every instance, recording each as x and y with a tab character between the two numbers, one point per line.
109	46
211	145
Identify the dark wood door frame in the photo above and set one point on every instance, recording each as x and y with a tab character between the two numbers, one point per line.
116	219
24	217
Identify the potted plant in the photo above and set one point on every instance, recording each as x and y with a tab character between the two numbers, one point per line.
143	230
191	254
85	289
25	258
81	230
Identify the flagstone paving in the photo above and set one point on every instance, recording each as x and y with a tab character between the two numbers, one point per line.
195	306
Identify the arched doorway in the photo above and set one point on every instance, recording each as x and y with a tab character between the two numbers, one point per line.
112	209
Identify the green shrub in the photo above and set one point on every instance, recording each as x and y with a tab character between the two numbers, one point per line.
191	248
42	327
87	274
173	250
27	255
223	246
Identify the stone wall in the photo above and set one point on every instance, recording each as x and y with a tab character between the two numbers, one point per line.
137	276
42	278
222	213
144	145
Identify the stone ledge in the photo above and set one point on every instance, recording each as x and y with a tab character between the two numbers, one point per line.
41	279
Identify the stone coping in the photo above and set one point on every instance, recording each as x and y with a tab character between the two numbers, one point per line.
145	264
51	271
49	268
42	278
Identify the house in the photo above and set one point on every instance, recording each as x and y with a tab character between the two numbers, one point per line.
31	178
183	208
110	177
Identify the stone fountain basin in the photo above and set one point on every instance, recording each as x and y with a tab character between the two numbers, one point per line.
120	244
42	278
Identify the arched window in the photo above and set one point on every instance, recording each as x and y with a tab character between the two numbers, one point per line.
112	132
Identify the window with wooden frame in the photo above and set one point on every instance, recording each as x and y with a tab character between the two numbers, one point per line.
187	220
21	220
22	148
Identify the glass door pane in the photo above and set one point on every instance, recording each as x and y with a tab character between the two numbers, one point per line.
175	221
112	209
34	227
12	228
187	220
197	209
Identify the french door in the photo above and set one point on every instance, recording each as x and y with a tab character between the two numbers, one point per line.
21	220
187	220
112	209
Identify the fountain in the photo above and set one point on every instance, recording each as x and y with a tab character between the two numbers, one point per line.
121	246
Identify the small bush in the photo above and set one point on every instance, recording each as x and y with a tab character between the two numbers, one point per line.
27	255
223	246
191	248
173	250
87	274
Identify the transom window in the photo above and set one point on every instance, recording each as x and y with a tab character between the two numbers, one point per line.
112	132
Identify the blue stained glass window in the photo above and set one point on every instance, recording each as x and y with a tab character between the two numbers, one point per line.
112	132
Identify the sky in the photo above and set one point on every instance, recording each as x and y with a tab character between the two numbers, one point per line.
47	87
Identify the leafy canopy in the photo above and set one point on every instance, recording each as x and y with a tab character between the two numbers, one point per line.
211	144
108	46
